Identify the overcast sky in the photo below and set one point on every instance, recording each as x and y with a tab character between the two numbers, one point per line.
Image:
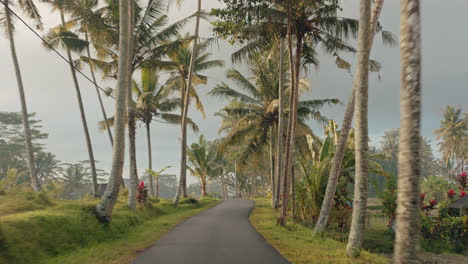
51	95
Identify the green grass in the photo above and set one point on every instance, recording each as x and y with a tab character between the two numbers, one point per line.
68	232
23	202
295	242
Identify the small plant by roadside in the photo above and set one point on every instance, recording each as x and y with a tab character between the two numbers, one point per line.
142	196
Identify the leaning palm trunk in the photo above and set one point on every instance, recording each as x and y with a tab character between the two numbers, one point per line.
105	206
358	220
290	136
83	117
181	191
103	110
24	110
409	163
279	140
272	167
335	171
153	192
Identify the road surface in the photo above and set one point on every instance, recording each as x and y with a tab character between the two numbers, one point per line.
220	235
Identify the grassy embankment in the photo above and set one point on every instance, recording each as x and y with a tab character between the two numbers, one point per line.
34	229
295	242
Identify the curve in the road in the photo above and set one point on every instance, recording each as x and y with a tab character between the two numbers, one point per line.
220	235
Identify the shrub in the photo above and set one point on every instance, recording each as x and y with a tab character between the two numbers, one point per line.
445	211
448	234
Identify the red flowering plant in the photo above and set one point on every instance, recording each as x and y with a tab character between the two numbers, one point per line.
462	193
429	207
462	180
142	196
450	194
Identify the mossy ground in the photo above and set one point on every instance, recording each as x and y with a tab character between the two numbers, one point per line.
34	229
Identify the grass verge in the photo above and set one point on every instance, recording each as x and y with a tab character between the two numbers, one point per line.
296	243
67	232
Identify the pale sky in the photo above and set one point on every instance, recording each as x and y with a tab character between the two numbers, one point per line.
50	92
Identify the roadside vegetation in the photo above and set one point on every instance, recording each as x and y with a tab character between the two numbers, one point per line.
295	242
35	229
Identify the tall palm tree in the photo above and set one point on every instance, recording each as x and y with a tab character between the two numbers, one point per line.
106	205
89	22
30	9
186	102
340	150
356	234
60	36
409	162
155	102
151	39
253	112
178	64
453	133
280	130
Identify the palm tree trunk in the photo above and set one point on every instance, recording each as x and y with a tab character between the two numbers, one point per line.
103	110
35	184
203	187
223	185
105	206
409	161
132	186
133	170
83	116
279	140
292	121
236	179
358	220
284	202
293	195
153	192
183	159
335	171
272	167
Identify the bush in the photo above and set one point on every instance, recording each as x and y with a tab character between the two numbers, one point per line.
445	211
448	234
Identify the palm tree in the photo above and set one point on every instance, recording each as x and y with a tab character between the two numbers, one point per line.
150	38
253	112
60	36
75	176
356	234
47	166
105	206
178	65
453	133
30	9
202	158
186	102
340	150
154	101
89	22
409	162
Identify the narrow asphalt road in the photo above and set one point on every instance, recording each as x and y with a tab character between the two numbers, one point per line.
220	235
